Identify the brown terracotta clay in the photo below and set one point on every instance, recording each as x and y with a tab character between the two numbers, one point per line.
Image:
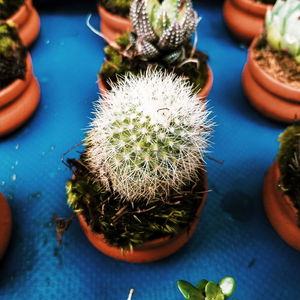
269	96
18	101
202	94
245	18
5	224
28	22
151	251
280	209
112	26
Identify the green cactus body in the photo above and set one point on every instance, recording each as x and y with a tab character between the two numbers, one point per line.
148	139
9	7
12	55
289	164
283	27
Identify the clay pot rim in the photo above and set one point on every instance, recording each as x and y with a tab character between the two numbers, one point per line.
251	6
9	93
203	93
21	15
273	85
113	18
158	242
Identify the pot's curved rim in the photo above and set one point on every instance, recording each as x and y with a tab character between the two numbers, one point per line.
253	7
21	15
115	20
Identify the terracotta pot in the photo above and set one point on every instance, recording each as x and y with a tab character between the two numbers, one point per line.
269	96
245	18
28	22
112	26
18	101
148	252
202	94
5	224
280	209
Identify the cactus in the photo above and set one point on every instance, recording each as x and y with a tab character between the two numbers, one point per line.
289	164
149	136
207	290
9	7
283	27
12	54
162	27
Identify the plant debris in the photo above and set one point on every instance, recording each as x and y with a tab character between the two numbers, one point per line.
62	225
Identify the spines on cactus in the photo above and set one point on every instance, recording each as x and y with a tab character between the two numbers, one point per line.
283	27
148	137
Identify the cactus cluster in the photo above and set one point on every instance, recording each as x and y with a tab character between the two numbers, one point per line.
208	290
9	7
283	27
12	54
148	136
162	27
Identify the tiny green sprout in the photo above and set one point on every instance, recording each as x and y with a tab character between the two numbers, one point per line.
207	290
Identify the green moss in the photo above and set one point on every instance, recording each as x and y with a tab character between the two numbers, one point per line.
116	64
118	7
12	55
122	224
9	7
289	163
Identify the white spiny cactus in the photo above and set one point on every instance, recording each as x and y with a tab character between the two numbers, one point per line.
148	136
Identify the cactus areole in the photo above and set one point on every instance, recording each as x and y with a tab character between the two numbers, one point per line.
141	175
162	38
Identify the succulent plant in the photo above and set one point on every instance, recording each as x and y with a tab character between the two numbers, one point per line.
12	54
283	27
289	163
148	137
207	290
162	27
9	7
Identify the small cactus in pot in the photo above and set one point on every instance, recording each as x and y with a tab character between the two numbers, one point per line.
161	37
141	174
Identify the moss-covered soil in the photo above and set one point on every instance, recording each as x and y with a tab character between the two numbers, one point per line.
9	7
117	7
117	64
279	64
12	55
126	225
289	164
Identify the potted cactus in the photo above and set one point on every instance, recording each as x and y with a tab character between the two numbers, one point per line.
271	76
161	39
245	18
114	18
281	191
207	290
5	224
19	89
140	184
23	14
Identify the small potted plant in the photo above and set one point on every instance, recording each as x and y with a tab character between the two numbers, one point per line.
23	14
161	39
140	185
19	89
208	290
245	18
281	192
114	18
5	224
271	76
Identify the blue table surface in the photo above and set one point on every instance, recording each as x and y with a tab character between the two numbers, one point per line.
234	236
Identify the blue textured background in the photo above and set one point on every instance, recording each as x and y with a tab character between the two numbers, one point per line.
234	237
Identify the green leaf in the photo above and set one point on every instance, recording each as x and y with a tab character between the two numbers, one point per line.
227	285
188	290
201	285
212	291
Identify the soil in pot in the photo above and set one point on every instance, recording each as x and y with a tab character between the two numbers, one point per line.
5	225
199	74
271	80
116	7
140	233
245	18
